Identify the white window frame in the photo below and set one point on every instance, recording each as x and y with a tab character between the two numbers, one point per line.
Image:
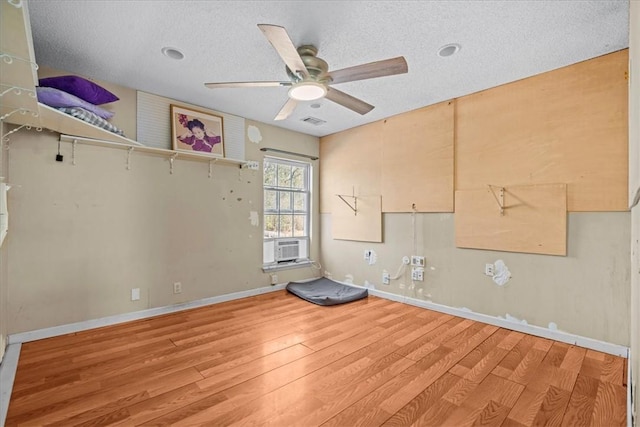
270	264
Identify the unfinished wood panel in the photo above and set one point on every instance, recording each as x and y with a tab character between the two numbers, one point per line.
363	226
350	161
417	160
567	125
534	219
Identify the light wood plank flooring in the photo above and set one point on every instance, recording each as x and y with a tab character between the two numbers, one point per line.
276	359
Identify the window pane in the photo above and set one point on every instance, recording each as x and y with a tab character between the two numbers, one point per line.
286	227
284	176
270	226
270	174
270	200
285	201
299	225
298	177
300	202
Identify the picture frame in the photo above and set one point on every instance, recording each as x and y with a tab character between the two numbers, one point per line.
196	131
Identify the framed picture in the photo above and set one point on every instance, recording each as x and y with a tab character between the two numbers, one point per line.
196	131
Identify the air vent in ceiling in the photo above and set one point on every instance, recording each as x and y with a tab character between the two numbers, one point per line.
314	121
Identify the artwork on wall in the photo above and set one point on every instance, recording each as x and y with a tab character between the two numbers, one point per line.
196	131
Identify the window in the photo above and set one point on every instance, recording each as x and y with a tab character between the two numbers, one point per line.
286	210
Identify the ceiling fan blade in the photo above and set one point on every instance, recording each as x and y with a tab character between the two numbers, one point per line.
282	43
287	109
246	84
348	101
387	67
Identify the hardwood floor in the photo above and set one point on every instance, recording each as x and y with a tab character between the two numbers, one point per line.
276	359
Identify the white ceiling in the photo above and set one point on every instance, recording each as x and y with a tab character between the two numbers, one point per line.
502	41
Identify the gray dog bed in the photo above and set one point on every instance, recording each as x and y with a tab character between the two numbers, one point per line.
324	291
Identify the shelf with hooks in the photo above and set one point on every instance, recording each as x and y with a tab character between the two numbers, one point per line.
134	147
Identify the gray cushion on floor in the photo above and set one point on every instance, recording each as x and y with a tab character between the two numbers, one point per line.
324	291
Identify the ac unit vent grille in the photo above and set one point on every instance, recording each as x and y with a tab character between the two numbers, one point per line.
287	250
314	121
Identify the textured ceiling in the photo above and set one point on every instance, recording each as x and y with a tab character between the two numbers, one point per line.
502	41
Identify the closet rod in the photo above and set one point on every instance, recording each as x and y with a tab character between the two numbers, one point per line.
275	150
153	150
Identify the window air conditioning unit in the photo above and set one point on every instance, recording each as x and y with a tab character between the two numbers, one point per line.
287	250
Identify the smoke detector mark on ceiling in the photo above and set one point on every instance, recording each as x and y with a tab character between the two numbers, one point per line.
313	120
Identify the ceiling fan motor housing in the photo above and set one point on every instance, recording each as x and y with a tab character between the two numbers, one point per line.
316	67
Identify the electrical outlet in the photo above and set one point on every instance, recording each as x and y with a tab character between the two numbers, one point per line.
417	261
386	277
177	288
274	279
417	274
135	294
488	269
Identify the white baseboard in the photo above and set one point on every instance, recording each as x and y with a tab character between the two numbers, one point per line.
8	369
590	343
54	331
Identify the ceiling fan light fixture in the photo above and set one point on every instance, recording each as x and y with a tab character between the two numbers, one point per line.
307	91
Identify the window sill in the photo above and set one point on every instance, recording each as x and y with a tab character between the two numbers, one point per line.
287	265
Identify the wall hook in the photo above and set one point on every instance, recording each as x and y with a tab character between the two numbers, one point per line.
173	157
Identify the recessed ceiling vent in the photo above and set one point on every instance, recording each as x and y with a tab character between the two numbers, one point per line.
314	121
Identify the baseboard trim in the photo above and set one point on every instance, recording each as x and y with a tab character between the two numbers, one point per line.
8	369
590	343
54	331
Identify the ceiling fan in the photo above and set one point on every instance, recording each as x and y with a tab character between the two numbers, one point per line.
310	78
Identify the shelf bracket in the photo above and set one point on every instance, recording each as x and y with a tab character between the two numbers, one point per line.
354	208
22	111
499	197
8	59
17	90
26	126
129	151
173	157
15	3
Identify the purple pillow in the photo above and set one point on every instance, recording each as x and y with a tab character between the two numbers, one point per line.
58	98
80	87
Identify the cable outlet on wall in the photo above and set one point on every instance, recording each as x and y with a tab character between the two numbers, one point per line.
135	294
177	288
386	277
417	274
488	269
417	261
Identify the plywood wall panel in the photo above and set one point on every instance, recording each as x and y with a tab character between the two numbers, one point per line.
534	219
417	156
350	162
363	226
567	125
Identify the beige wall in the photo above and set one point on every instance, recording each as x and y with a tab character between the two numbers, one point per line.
584	293
82	236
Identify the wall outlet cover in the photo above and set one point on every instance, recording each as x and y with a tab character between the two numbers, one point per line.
417	261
